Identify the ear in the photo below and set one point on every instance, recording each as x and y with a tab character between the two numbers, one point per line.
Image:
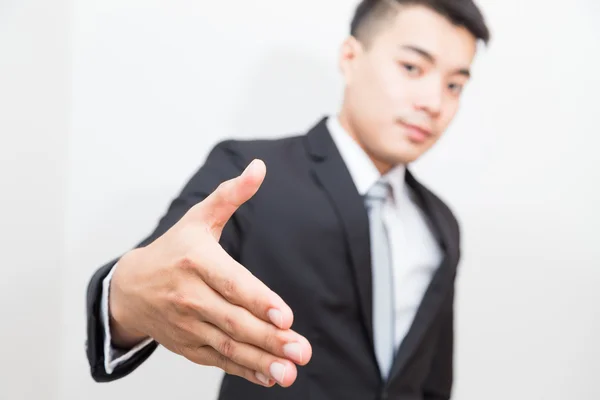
350	52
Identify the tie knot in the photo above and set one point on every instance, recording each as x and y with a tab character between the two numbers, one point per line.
378	193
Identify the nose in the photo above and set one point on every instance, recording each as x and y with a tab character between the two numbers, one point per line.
430	97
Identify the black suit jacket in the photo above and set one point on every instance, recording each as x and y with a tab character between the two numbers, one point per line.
306	235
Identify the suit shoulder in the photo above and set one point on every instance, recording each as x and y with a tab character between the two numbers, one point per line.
258	145
242	151
442	205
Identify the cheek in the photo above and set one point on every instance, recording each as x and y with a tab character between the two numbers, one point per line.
375	97
448	112
393	91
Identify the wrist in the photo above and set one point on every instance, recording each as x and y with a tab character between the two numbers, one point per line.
123	336
123	330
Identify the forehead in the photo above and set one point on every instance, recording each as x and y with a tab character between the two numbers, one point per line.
422	27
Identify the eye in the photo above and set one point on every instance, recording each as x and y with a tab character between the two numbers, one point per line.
455	88
411	69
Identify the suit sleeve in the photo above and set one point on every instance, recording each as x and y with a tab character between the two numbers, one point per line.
221	164
438	385
114	356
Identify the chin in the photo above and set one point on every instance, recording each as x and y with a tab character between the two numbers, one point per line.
408	158
397	159
406	154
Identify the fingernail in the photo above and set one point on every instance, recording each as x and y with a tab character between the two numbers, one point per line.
277	372
276	317
263	379
293	351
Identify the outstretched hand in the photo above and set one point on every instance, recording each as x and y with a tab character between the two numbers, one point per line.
189	295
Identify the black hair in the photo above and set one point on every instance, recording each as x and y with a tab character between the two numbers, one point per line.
370	14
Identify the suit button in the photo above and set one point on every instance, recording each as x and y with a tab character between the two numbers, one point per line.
384	395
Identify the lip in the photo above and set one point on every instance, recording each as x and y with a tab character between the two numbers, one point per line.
417	130
415	133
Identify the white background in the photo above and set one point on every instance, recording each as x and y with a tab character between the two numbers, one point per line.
107	107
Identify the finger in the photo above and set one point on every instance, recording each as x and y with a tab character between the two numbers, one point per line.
241	325
220	205
208	356
240	287
282	371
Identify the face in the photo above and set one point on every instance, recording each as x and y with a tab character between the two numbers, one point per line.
403	89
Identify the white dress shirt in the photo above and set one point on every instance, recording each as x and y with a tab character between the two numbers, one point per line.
415	251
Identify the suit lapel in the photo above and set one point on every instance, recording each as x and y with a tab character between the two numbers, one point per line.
441	281
331	173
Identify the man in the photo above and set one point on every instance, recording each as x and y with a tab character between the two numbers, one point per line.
338	239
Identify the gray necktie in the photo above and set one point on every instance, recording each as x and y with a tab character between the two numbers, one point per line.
383	298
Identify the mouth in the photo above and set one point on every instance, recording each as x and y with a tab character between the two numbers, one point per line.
416	133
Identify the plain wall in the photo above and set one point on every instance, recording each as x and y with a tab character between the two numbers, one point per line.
157	84
108	107
34	127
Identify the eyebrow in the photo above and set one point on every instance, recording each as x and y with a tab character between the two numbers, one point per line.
431	59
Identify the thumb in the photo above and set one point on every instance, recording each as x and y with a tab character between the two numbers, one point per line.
220	205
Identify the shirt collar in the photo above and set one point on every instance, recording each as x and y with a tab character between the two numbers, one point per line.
361	168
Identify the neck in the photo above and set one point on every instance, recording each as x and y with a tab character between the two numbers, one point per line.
381	166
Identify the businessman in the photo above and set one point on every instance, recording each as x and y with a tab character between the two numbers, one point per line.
315	266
